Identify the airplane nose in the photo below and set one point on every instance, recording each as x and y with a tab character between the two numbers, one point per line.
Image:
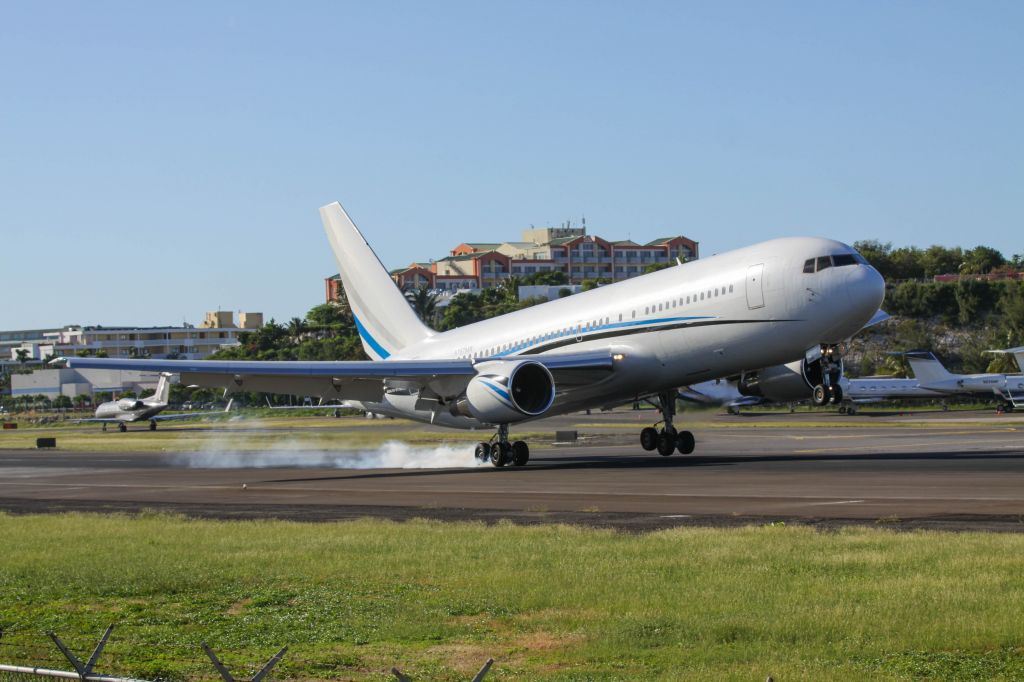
866	289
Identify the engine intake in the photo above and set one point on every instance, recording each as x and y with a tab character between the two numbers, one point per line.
503	392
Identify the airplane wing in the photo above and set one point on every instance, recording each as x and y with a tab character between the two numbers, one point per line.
360	380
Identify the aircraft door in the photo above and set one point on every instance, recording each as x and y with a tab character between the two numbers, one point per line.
755	286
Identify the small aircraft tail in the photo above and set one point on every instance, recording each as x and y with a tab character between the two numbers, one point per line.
385	321
163	389
926	367
1017	353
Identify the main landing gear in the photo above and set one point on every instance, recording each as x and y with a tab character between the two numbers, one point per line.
122	427
503	452
668	440
829	391
152	425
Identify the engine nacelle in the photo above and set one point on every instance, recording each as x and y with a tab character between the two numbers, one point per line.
503	392
787	383
129	404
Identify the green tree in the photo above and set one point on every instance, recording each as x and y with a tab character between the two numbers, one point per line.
424	304
296	328
982	260
1011	306
940	260
654	267
22	354
62	402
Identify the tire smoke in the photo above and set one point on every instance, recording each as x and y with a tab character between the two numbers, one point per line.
390	455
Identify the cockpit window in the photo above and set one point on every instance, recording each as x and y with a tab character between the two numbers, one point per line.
839	260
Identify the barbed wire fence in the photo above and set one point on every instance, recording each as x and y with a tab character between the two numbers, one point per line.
29	661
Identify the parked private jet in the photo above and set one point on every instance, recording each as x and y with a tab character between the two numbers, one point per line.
767	304
1009	388
127	410
790	384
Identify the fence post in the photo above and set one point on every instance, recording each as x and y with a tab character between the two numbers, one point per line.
83	669
227	677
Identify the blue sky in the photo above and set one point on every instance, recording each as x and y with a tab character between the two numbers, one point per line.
160	160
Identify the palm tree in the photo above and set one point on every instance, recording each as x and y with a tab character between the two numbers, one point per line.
424	304
296	328
511	287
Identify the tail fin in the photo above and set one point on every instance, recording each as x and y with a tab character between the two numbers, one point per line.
385	321
926	367
1017	353
163	388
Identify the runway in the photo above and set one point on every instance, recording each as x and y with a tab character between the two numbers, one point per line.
942	474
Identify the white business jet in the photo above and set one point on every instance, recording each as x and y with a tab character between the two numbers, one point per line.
766	304
1009	388
127	410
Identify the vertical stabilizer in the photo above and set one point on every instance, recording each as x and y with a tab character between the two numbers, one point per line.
1017	353
927	368
385	321
163	389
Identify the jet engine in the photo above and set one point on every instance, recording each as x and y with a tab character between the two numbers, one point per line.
789	383
129	404
506	392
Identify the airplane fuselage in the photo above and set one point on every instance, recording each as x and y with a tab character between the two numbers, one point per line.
705	319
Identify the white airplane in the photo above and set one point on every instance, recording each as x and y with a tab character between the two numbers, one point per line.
762	305
933	375
127	410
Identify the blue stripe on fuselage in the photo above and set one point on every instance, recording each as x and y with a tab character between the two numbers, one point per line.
584	332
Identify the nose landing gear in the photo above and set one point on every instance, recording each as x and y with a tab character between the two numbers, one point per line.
829	390
503	452
668	440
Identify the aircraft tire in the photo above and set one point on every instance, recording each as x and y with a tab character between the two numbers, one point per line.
520	453
152	426
500	454
482	452
649	439
819	396
666	443
122	427
685	442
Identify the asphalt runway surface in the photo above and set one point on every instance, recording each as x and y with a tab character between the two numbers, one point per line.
944	470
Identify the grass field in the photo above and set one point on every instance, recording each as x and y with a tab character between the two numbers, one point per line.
548	602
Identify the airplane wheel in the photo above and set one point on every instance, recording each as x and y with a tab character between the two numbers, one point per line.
122	427
649	438
842	409
520	453
500	454
851	410
685	442
731	409
483	452
1009	407
819	396
666	443
837	394
104	427
152	426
